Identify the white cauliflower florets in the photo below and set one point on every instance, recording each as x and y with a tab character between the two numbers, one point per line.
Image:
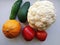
41	15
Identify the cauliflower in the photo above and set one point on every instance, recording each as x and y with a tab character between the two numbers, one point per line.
41	15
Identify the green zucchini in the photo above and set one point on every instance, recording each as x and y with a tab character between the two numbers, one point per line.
22	13
15	9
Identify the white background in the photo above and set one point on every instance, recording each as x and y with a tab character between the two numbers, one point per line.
53	37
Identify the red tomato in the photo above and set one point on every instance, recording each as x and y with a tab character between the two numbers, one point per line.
28	33
41	35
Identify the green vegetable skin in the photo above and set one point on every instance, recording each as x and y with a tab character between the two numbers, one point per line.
22	13
15	9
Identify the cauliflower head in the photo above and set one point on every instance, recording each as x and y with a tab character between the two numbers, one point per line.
41	15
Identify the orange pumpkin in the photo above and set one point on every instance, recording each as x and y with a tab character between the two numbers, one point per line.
11	28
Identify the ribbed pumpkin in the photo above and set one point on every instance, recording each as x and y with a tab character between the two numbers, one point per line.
11	28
